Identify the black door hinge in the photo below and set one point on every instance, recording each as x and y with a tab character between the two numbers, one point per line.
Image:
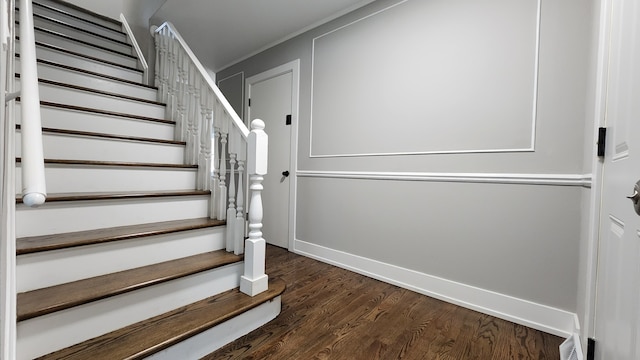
602	141
249	102
288	120
591	349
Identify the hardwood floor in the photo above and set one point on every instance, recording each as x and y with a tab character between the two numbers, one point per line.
331	313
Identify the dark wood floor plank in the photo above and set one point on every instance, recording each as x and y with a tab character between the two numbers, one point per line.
33	244
331	313
150	336
45	301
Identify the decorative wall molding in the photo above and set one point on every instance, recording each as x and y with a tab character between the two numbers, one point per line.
496	178
541	317
483	149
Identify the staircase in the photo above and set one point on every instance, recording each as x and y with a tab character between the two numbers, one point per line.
129	256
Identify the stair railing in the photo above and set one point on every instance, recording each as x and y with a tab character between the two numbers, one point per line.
34	192
32	162
203	114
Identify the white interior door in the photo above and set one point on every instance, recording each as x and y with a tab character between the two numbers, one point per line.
617	319
271	100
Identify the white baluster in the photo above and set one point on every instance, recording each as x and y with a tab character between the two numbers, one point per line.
207	140
215	185
180	94
231	210
240	222
222	200
254	280
156	66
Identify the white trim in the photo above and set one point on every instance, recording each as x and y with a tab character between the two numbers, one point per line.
541	317
496	178
531	147
588	329
299	32
134	43
292	67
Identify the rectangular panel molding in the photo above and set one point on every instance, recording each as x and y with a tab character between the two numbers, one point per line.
428	77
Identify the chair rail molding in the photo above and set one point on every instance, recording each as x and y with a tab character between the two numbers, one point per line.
583	180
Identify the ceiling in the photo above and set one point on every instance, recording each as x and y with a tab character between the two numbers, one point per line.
222	32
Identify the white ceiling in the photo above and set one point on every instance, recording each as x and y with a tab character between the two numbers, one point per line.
221	32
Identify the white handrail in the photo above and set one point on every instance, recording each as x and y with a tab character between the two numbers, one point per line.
34	190
136	47
205	75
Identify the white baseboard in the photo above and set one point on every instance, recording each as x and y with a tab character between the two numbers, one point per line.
541	317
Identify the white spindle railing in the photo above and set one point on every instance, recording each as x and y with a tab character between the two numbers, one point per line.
220	144
32	163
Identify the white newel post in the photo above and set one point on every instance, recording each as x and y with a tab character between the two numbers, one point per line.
254	280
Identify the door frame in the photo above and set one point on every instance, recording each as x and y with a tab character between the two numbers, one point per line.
597	110
292	67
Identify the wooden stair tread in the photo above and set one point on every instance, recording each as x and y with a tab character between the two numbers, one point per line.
55	298
108	136
92	73
84	43
96	91
33	244
67	25
114	163
88	12
92	58
158	333
103	112
118	195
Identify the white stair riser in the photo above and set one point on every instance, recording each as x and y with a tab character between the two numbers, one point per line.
69	147
113	34
82	35
81	14
77	178
81	62
69	44
210	340
60	118
58	330
62	266
56	73
71	96
68	216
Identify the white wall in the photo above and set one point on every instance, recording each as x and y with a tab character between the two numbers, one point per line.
478	225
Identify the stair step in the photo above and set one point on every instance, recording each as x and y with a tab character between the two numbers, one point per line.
33	244
48	300
86	211
53	91
78	21
65	176
62	73
63	27
86	48
82	61
80	145
60	116
148	337
105	93
82	14
118	196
